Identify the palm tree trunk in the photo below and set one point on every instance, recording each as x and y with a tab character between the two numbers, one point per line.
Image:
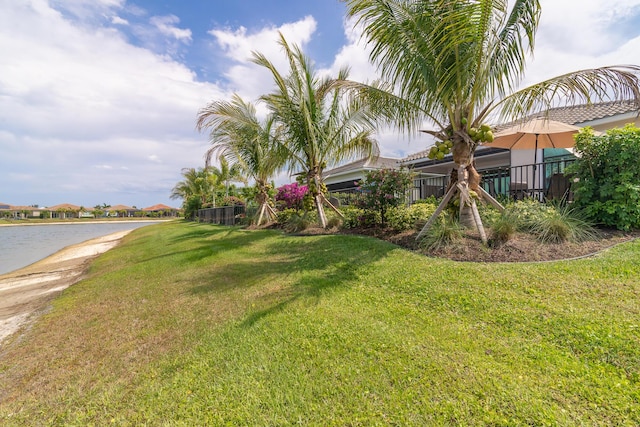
314	186
466	215
469	215
463	179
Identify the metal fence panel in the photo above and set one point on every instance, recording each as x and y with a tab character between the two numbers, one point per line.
225	215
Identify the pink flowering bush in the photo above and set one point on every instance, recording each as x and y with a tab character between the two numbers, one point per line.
291	196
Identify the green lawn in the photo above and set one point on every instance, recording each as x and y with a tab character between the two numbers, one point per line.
194	324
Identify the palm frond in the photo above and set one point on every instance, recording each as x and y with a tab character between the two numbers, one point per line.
617	83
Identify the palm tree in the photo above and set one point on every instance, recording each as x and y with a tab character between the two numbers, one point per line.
243	140
195	190
320	122
457	63
225	174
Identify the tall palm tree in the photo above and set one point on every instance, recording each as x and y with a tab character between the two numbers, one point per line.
241	139
320	122
457	63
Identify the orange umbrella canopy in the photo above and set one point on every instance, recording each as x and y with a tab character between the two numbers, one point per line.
535	134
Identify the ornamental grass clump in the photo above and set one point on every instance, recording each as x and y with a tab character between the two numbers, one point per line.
563	224
297	222
503	228
444	232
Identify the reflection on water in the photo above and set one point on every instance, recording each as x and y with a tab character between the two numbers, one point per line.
23	245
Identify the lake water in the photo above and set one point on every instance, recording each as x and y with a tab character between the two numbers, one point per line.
23	245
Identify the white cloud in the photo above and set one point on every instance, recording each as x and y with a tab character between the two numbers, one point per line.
579	34
116	20
165	25
86	10
355	55
237	45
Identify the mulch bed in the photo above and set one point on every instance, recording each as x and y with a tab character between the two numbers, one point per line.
520	248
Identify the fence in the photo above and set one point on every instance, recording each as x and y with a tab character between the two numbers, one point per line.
225	215
541	181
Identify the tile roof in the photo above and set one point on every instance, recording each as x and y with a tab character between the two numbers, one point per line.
63	206
159	207
119	208
578	114
375	163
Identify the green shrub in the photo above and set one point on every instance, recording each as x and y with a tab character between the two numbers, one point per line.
401	218
607	177
355	217
191	206
525	214
489	215
351	216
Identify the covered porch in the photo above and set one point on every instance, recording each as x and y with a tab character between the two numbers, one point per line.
542	181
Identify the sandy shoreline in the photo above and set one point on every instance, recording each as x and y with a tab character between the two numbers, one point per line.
26	291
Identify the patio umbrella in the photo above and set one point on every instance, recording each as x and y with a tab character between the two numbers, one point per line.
534	134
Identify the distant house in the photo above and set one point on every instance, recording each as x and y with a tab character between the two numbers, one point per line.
344	178
122	211
8	211
160	210
63	211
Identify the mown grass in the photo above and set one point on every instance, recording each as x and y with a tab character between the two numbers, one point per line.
192	324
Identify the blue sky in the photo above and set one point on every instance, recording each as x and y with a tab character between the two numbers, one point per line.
98	98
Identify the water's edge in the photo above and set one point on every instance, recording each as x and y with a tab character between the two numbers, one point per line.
24	244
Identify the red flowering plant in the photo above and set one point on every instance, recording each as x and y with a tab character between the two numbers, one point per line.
384	188
291	196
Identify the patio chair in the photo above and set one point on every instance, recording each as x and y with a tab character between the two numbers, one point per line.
559	188
519	190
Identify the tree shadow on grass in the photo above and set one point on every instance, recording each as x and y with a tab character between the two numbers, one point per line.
317	264
206	240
